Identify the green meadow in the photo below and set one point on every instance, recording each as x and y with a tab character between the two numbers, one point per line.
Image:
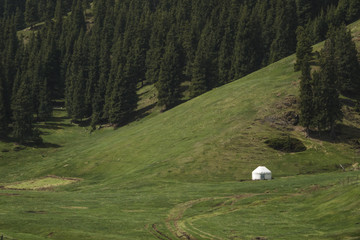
185	173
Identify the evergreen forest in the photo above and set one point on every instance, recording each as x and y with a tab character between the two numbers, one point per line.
95	55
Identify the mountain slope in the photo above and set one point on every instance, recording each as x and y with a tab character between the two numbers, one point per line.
217	136
145	180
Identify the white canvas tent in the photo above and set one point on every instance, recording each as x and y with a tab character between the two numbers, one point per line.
261	173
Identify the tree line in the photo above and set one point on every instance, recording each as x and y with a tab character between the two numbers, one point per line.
96	54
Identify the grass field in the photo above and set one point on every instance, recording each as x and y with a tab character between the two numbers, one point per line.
182	174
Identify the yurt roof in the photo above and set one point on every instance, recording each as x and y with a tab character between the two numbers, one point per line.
261	169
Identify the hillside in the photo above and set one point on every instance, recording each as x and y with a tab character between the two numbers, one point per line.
178	173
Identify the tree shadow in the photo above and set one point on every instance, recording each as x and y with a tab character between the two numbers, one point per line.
42	145
32	144
55	126
344	134
143	112
82	123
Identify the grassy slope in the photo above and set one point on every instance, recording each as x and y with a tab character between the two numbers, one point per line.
139	174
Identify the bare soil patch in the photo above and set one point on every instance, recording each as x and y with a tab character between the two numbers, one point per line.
41	184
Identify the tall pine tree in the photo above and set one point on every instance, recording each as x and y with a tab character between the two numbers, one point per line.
170	76
3	114
303	48
347	64
326	101
284	43
23	129
204	67
306	95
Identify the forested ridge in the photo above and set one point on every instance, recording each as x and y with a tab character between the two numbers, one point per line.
97	54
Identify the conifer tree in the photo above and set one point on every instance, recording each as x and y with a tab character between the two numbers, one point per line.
319	28
340	13
105	61
267	28
75	81
304	11
248	52
31	12
78	111
45	105
204	66
284	43
227	44
72	27
306	95
303	48
170	76
9	62
58	20
19	19
22	112
3	114
353	11
156	46
123	97
347	64
327	103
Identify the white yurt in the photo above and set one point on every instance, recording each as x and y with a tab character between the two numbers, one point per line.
261	173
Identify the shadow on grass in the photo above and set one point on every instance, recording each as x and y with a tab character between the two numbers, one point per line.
55	126
141	113
344	134
21	146
82	123
42	145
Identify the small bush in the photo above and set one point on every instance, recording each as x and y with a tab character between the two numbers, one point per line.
286	144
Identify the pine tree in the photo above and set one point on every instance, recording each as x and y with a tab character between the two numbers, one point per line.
267	28
248	52
204	66
156	46
347	64
327	102
58	20
19	19
284	43
354	11
340	13
31	16
318	28
78	98
124	97
105	61
227	44
45	106
22	112
76	84
170	76
306	95
303	48
9	61
3	113
304	11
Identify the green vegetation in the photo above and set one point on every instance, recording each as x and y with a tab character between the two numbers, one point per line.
82	67
178	172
